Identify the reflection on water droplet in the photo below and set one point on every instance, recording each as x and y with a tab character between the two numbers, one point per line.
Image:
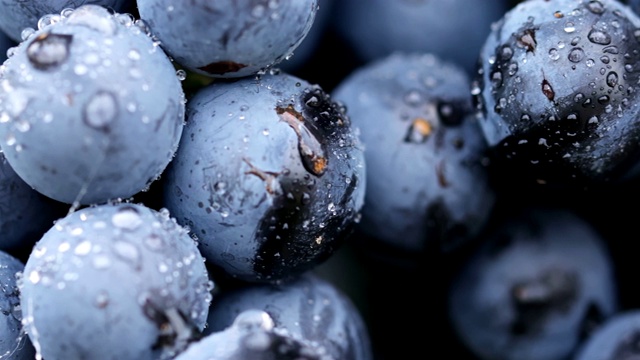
126	251
83	248
101	261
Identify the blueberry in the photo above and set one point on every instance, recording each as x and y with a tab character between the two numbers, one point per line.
538	284
556	89
91	108
231	38
18	15
307	309
114	281
303	54
25	214
616	339
14	344
252	336
454	30
269	176
426	183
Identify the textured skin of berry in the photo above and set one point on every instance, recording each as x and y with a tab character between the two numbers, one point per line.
14	344
616	339
16	15
309	309
269	176
90	108
423	147
454	30
556	90
25	214
252	336
538	284
229	38
114	281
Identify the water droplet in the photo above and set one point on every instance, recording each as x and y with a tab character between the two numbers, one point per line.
48	20
595	7
101	110
83	248
127	218
576	55
126	251
590	62
154	242
258	11
628	68
507	53
554	54
513	68
102	300
94	17
569	27
413	98
34	277
27	33
101	261
47	50
612	79
181	74
599	37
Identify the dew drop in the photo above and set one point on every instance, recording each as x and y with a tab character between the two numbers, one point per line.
127	218
595	7
554	54
83	248
576	55
612	79
599	37
569	27
94	17
48	51
101	110
101	261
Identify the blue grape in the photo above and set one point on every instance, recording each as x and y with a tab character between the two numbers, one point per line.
91	108
307	309
14	344
426	183
556	93
229	38
616	339
539	282
269	175
17	15
454	30
114	281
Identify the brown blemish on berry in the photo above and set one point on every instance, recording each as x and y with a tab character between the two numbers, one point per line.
311	152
